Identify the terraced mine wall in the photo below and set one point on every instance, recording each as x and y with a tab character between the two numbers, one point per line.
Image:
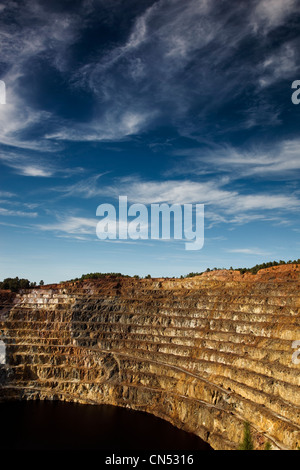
207	353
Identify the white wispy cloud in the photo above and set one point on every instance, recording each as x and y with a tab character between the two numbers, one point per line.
223	205
279	160
71	225
16	213
35	164
83	228
138	81
172	60
38	31
116	124
249	251
6	194
172	191
269	14
85	188
280	65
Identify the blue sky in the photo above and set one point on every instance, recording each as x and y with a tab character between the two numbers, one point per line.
159	100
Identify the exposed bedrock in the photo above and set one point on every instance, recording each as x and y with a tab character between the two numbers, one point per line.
207	353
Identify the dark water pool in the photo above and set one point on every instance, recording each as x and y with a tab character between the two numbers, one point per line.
36	425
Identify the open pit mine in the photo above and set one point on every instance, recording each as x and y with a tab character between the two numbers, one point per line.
208	353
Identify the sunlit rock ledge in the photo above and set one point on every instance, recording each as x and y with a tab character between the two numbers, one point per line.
206	353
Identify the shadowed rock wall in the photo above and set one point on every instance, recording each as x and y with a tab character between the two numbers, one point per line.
205	353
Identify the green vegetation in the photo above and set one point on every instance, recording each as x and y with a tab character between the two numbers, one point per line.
268	446
103	275
15	284
191	275
247	443
258	267
98	276
253	270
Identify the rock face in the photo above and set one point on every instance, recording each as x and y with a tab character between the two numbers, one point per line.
206	353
